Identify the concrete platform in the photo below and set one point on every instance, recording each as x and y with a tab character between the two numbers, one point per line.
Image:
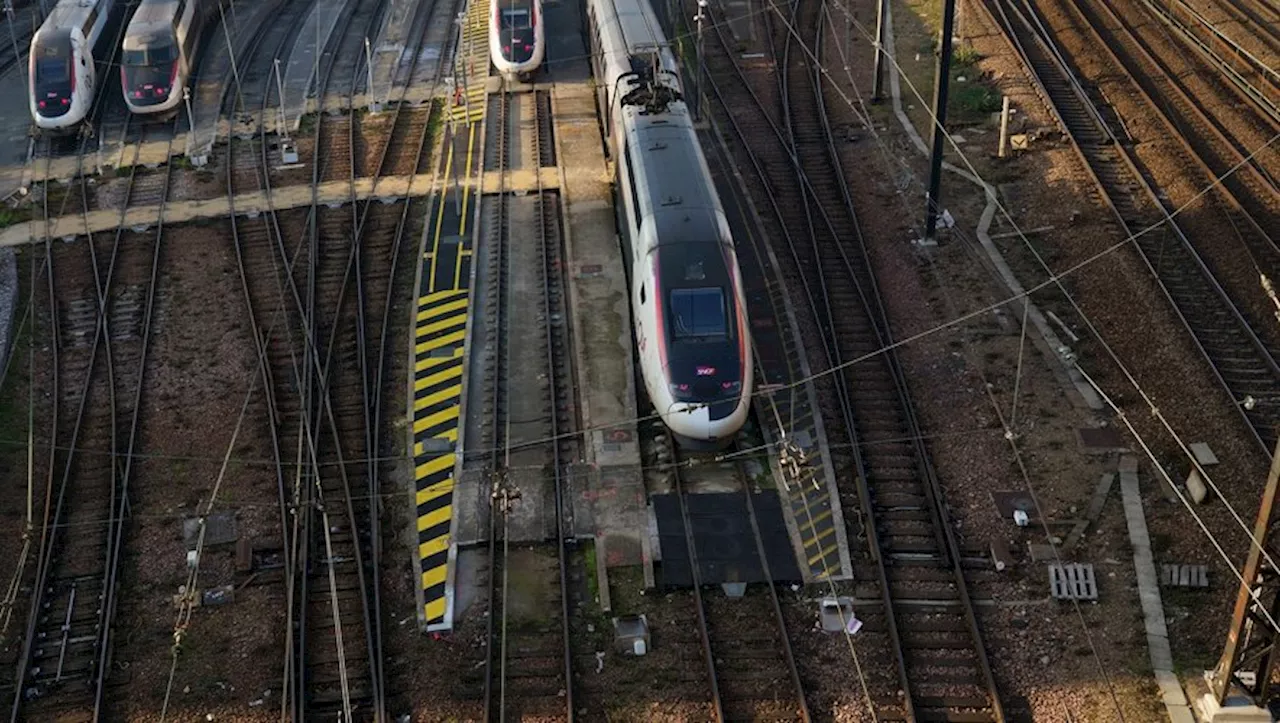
299	71
598	298
214	74
331	193
442	329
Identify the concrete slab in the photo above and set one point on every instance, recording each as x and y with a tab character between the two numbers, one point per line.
331	193
299	71
1175	699
214	73
598	298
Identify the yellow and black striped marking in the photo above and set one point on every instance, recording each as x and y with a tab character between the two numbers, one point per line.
440	331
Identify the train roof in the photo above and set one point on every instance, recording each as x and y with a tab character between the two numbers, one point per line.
151	22
640	29
672	169
69	14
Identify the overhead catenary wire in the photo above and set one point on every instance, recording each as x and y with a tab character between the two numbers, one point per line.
1088	321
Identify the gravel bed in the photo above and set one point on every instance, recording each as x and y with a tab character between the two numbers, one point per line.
201	365
949	372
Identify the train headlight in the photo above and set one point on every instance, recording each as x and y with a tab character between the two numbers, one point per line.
66	101
731	387
40	103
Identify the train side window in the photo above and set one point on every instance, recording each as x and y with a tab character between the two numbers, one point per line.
631	176
642	294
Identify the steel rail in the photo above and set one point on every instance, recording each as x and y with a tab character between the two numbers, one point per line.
263	336
819	311
317	393
500	426
557	358
1197	298
52	522
1235	187
1172	15
822	223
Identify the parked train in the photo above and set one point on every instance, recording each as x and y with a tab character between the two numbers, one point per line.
516	43
159	52
62	76
686	290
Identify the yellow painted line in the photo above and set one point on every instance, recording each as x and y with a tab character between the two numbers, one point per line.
435	517
433	379
434	609
445	323
807	523
454	338
466	191
417	450
825	552
429	362
431	547
435	491
435	575
433	465
453	392
422	425
435	244
434	309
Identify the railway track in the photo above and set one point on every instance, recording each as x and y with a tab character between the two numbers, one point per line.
1217	142
528	390
100	309
744	641
1251	69
1244	363
938	657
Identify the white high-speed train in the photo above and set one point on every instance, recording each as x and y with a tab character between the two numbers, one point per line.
516	42
62	76
686	289
159	54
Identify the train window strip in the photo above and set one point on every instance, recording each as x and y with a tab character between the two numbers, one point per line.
631	177
87	28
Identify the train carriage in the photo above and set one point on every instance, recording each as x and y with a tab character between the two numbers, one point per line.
686	289
158	54
516	44
62	76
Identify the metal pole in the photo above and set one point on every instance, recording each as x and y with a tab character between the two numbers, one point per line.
284	120
697	78
17	57
877	86
942	84
374	106
1004	128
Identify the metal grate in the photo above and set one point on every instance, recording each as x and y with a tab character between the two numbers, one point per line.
1185	575
1073	581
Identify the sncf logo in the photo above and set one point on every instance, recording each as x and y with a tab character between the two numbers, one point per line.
706	371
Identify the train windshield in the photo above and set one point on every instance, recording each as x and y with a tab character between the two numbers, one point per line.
517	19
149	73
52	75
699	314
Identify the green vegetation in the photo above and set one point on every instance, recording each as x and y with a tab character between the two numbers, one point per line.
11	216
975	97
